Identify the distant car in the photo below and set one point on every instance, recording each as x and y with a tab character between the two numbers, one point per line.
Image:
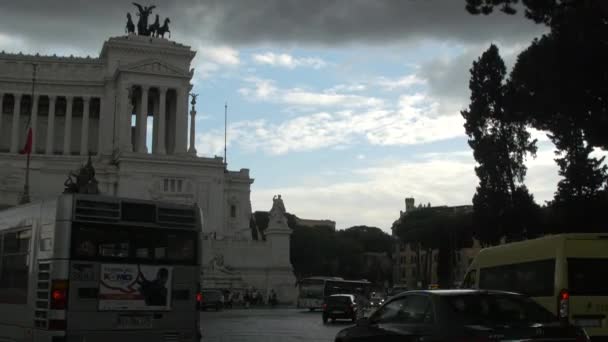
461	315
376	299
341	306
212	299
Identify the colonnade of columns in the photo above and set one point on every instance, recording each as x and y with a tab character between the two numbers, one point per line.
167	106
18	130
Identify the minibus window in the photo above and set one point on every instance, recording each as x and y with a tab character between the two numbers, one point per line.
586	276
534	278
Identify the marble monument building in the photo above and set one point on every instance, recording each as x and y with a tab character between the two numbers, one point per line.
129	109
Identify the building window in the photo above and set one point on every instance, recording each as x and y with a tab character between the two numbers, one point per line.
14	268
232	210
165	185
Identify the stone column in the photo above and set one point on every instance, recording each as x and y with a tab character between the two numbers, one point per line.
181	121
84	130
34	121
142	120
67	132
126	110
1	112
160	134
192	149
15	128
99	127
50	130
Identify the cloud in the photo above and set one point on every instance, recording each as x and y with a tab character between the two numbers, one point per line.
288	61
413	121
347	88
400	83
83	25
266	90
222	55
377	190
377	197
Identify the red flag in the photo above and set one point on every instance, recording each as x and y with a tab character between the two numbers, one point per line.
27	149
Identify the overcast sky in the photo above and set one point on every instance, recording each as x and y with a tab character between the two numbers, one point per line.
345	107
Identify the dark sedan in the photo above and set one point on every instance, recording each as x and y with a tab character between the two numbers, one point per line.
212	299
340	306
459	316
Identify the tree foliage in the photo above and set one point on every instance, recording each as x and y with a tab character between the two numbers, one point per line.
323	251
500	145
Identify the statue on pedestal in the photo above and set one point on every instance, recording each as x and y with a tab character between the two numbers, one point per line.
130	28
277	212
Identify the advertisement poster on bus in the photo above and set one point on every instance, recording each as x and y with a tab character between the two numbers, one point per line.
135	287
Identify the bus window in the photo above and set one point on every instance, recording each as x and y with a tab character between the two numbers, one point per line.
534	278
137	244
14	266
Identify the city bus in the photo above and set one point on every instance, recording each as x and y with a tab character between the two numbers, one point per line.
313	290
565	273
97	268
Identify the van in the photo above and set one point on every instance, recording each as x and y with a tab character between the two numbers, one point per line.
566	273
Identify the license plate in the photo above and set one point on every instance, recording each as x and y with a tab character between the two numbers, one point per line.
589	323
337	311
134	322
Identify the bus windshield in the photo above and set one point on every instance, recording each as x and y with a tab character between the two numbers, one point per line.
133	244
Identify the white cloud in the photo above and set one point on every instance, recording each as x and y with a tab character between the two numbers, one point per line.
400	83
223	55
377	192
376	199
347	88
211	59
288	61
266	90
414	121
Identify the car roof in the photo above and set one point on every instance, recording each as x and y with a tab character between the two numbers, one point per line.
342	295
454	292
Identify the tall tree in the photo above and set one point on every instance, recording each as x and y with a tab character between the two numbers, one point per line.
500	145
572	72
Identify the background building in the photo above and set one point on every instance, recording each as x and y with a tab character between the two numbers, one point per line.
411	264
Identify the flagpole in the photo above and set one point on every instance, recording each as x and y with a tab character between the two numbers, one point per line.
225	133
25	197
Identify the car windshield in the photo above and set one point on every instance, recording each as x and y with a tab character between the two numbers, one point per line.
493	309
338	300
211	295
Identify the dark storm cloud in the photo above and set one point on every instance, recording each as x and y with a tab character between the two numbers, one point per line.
243	22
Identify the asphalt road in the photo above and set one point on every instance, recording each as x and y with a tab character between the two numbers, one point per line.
253	325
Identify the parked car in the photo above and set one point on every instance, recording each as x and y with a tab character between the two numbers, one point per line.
461	315
341	306
212	299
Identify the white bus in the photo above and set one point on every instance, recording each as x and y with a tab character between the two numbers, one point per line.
97	268
313	290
